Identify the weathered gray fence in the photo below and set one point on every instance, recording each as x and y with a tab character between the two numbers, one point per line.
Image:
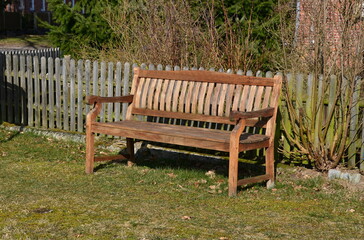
50	92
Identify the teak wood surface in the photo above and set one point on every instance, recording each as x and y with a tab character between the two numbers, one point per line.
180	107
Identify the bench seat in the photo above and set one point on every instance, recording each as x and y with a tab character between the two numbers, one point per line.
181	135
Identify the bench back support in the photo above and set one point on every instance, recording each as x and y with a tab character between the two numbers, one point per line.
201	95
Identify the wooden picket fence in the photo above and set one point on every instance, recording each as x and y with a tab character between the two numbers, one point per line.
49	93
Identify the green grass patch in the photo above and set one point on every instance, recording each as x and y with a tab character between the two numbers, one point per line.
26	41
45	194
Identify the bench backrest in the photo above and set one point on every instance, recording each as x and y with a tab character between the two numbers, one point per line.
201	95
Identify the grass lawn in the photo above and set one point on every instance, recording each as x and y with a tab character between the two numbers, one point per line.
30	41
44	194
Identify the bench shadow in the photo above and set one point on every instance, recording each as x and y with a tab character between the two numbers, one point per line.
158	158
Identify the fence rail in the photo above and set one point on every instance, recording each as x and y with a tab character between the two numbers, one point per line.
49	93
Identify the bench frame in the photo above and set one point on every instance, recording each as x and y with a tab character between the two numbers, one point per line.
259	118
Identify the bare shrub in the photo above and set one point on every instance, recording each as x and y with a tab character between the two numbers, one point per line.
331	43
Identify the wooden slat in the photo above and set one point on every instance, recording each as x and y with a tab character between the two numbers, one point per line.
176	95
117	90
157	94
102	88
23	89
195	96
182	97
44	90
237	95
229	98
9	89
258	99
215	98
252	94
66	66
51	92
125	88
267	96
144	94
110	89
201	98
207	76
222	100
30	91
58	93
253	180
87	75
72	95
138	94
244	98
169	95
210	90
79	96
163	95
36	93
16	89
179	115
188	99
151	91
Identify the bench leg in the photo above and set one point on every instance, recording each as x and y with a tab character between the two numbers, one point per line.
130	148
233	168
269	166
90	151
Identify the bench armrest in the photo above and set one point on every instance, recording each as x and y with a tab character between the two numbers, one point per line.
96	99
266	112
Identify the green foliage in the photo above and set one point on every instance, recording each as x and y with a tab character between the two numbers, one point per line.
79	25
228	34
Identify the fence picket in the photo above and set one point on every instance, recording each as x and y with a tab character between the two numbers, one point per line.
44	91
51	92
30	90
117	90
9	89
72	95
66	67
102	89
36	93
58	93
16	89
79	96
23	91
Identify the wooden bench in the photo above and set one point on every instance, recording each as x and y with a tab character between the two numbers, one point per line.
196	100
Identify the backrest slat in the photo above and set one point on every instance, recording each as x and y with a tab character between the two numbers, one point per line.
182	96
237	95
189	97
157	94
215	98
176	94
210	89
244	98
229	98
169	95
195	96
222	99
201	97
163	95
258	98
143	102
206	97
151	91
267	93
252	92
